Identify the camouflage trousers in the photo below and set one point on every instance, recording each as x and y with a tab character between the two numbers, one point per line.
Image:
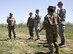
61	33
51	36
36	31
11	28
31	31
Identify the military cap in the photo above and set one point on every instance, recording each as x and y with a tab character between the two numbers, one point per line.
60	3
51	8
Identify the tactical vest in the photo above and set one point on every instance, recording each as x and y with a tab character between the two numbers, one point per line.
52	20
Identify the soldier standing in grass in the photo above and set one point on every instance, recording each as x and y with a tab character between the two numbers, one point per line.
62	14
30	25
11	25
37	23
50	24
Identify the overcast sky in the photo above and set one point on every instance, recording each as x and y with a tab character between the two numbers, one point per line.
21	9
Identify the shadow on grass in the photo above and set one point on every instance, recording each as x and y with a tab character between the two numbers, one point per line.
40	53
2	39
17	38
44	44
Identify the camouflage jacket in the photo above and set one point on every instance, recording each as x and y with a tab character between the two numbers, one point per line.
30	22
37	20
11	21
51	19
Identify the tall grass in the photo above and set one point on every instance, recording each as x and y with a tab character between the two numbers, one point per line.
22	28
22	46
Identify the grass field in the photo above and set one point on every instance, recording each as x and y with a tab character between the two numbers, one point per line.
23	46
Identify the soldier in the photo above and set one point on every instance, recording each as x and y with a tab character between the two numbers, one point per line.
37	23
11	25
30	25
62	13
50	24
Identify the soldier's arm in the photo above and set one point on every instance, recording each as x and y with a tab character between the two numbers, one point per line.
27	22
14	21
7	20
43	27
44	23
59	19
39	19
58	11
64	13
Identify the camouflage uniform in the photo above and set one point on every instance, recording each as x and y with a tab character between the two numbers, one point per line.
50	25
11	26
37	25
30	25
62	14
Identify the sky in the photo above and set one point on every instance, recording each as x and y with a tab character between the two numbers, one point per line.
21	9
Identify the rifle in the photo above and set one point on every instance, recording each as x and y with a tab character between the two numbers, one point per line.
41	29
